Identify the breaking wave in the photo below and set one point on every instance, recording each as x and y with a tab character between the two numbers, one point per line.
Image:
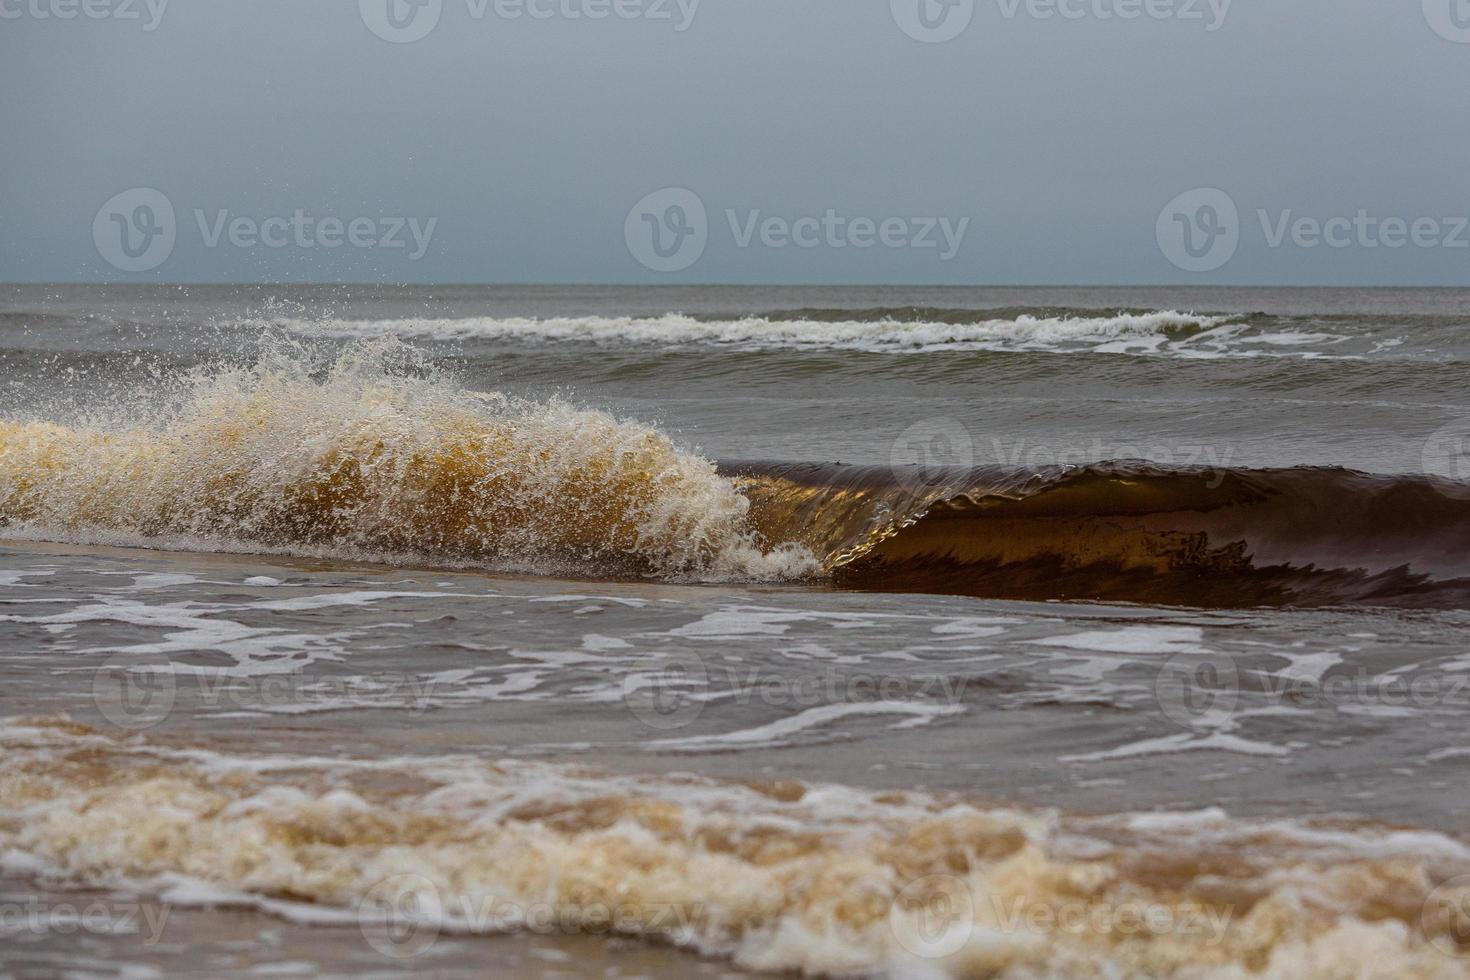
879	331
1126	531
369	453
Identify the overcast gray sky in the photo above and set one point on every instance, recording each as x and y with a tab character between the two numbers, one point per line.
1045	137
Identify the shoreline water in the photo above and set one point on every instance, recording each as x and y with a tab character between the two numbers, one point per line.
782	760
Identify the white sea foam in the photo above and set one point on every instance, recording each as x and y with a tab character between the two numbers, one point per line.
371	453
786	730
1163	640
820	880
1130	333
1216	741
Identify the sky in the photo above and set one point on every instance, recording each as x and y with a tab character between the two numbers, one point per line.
1271	142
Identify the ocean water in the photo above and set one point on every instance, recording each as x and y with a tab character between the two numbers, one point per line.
715	631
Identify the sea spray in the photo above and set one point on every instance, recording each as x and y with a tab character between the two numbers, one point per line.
371	451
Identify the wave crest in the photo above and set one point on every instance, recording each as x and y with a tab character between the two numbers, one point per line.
372	453
1126	531
878	331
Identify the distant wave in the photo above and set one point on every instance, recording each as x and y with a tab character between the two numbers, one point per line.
879	331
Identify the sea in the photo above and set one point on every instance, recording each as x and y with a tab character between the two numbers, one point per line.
715	631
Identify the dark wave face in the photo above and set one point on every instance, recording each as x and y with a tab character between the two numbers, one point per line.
1126	531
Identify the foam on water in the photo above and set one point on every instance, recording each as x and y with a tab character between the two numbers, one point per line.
1121	333
824	880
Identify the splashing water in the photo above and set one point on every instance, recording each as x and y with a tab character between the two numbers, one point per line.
372	452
